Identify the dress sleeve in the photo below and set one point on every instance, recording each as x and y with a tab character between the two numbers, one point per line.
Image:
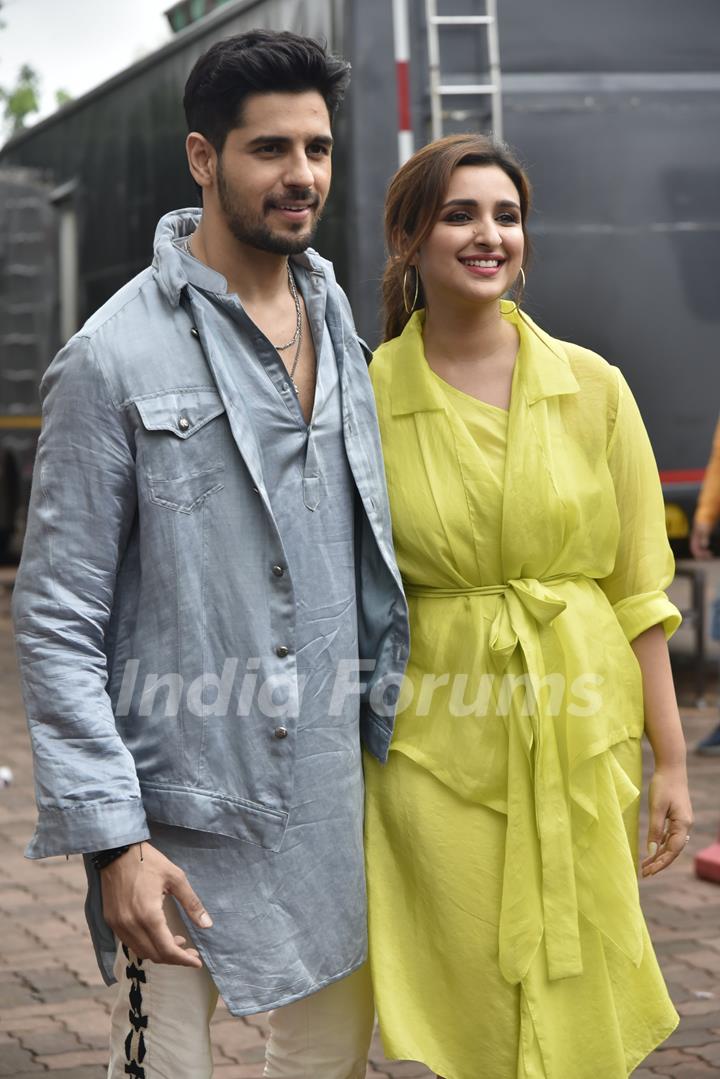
644	564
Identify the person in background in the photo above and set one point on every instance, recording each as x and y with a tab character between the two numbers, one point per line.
506	934
706	517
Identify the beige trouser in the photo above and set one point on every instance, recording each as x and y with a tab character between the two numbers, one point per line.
161	1025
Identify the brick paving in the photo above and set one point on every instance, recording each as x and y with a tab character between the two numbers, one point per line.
54	1007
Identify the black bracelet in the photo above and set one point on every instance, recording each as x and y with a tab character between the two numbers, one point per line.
102	858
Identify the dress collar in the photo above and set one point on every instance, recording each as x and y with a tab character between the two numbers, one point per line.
545	367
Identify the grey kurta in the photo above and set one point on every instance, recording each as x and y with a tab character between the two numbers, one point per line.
288	922
147	576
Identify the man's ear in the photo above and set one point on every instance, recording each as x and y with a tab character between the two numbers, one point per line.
202	159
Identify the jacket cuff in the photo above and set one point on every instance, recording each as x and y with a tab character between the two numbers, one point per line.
375	734
88	827
638	613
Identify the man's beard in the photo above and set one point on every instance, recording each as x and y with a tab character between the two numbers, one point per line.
254	232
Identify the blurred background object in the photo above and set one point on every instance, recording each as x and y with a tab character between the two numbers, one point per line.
186	12
615	109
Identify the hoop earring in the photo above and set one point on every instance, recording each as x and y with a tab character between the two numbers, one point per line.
410	308
517	300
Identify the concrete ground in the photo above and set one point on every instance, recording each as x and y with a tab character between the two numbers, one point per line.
54	1008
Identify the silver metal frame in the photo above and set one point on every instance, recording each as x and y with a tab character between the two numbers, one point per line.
438	89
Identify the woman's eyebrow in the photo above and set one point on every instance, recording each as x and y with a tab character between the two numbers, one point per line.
473	202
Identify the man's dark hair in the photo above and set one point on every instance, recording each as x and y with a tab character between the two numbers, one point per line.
257	62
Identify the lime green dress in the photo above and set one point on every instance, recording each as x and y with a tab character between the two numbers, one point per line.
506	935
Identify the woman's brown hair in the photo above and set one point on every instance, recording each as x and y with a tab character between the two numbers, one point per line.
413	204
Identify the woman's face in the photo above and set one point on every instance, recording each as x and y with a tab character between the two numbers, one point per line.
474	252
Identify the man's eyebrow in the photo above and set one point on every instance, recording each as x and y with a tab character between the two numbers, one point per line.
473	202
284	140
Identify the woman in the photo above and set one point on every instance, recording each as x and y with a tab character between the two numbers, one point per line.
507	940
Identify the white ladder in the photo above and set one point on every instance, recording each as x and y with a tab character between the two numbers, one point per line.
439	89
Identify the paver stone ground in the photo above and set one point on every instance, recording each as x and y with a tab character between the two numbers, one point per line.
54	1008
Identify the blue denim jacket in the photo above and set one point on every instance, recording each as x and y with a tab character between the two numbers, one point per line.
149	551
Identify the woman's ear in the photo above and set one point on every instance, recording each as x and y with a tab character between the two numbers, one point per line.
400	244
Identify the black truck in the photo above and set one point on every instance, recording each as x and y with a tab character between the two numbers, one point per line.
614	107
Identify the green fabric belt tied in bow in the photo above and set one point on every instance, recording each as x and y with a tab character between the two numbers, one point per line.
551	908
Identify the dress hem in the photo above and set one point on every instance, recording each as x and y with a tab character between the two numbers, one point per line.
446	1073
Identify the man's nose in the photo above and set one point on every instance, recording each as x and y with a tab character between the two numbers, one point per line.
298	172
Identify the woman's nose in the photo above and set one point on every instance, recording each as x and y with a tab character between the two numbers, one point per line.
488	233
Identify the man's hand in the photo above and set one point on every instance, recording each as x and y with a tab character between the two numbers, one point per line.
700	540
132	896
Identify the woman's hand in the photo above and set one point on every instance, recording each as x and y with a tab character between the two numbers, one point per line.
670	818
669	800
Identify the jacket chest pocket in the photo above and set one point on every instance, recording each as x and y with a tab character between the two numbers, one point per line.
180	447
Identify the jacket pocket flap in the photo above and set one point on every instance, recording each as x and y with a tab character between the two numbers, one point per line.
182	412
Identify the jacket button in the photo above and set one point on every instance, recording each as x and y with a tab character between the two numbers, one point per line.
183	423
194	331
281	732
282	651
278	571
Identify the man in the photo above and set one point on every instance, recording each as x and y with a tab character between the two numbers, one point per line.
208	493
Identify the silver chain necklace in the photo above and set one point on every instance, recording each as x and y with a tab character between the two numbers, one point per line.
298	313
298	335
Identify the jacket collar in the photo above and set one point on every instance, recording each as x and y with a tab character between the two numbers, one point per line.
545	369
175	269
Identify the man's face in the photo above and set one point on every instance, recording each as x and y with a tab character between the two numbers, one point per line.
273	175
